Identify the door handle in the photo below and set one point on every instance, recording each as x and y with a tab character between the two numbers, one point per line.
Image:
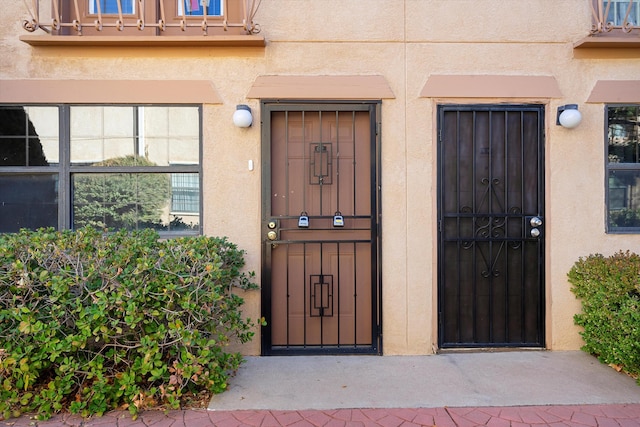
535	226
272	233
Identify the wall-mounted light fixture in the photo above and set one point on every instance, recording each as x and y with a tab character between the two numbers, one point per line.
568	116
242	116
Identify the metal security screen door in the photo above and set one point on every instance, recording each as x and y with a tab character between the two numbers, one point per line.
320	235
491	226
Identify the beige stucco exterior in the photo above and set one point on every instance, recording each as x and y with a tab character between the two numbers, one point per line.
404	43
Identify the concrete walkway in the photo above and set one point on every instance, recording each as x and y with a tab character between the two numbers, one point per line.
532	388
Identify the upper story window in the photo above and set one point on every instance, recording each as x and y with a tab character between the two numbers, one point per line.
111	6
615	15
197	7
622	11
623	168
117	166
143	18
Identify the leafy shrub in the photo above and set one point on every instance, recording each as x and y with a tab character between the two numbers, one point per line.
609	289
91	321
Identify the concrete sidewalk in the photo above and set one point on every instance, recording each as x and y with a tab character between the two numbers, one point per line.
516	378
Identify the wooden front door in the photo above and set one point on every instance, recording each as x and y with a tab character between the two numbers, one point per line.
319	223
491	226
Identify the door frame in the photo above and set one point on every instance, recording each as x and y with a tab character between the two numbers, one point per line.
373	107
541	247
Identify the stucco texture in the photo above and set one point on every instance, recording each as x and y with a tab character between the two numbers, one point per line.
405	42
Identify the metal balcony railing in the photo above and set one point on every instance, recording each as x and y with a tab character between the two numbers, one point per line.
621	15
71	17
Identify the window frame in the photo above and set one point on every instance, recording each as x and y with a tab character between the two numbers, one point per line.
612	166
64	170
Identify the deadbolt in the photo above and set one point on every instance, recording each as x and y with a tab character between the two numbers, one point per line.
535	232
535	222
272	235
272	224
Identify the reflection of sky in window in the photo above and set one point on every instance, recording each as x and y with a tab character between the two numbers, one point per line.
196	7
111	6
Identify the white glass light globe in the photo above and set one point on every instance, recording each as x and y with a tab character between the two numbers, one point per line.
242	116
570	118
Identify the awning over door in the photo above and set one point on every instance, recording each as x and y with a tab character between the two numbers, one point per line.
490	86
615	91
320	87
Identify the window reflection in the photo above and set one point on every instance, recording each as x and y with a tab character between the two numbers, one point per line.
623	201
27	200
162	135
127	200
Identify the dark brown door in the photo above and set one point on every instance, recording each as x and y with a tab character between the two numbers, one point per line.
491	226
320	239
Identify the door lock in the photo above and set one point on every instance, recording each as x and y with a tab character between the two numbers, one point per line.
303	220
272	235
338	220
534	224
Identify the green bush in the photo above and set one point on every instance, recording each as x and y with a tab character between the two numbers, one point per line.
91	321
609	289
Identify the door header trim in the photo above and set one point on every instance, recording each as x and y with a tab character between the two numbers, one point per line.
320	87
615	91
491	86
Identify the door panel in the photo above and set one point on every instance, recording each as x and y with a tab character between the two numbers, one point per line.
490	187
320	281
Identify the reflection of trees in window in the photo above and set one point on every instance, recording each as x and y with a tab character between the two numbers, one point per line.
120	200
27	200
19	142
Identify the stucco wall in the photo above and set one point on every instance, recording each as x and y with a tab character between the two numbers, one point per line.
405	41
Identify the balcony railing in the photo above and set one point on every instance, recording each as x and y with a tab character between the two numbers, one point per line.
618	15
149	17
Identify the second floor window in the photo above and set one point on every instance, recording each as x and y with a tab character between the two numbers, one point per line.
618	10
185	7
111	6
197	7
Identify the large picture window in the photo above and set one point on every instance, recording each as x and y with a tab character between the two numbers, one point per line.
113	168
623	168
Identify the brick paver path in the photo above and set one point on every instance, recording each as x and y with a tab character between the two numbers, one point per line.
519	416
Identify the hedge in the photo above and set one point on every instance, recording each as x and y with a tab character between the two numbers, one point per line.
609	290
91	321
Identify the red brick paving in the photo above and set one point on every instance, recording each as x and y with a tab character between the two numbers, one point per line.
517	416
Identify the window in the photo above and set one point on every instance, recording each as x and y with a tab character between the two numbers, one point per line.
111	6
618	10
623	168
113	168
185	193
196	7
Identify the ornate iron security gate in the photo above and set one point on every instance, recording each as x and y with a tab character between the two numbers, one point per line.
491	226
320	202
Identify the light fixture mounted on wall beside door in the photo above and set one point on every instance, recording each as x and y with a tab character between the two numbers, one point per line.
242	116
568	116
